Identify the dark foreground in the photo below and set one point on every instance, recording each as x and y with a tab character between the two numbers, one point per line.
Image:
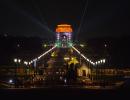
63	93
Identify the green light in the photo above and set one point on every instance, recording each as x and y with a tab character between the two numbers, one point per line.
70	44
58	44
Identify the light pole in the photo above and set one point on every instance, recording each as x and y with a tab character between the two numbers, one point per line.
16	61
26	63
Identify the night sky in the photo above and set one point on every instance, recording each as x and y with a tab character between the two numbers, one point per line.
40	17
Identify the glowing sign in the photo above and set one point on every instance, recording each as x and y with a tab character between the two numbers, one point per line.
63	28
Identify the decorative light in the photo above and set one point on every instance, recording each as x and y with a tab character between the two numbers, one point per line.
29	63
15	60
82	45
25	62
103	60
82	55
99	62
96	62
44	54
19	60
10	81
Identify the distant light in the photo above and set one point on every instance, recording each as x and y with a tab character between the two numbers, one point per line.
34	60
93	63
25	62
18	45
82	55
29	63
39	57
81	45
61	77
19	60
96	62
66	58
103	60
65	80
10	81
88	60
45	45
99	62
15	60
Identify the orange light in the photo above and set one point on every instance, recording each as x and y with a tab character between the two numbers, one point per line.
63	28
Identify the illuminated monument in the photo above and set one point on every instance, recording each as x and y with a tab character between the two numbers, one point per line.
64	36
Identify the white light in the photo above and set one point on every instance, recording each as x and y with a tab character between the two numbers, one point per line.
29	63
66	58
88	60
93	63
65	80
19	60
103	60
76	50
82	55
15	60
10	81
42	54
25	62
96	62
39	57
99	62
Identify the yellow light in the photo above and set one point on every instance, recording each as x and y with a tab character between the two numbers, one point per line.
45	45
66	58
73	60
81	45
53	54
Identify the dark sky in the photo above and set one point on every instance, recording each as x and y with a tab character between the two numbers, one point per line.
40	17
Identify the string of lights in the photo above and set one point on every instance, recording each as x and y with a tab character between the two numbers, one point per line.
102	61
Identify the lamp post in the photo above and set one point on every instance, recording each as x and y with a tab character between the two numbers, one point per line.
26	63
16	61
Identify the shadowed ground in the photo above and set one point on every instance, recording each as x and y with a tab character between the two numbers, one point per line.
63	93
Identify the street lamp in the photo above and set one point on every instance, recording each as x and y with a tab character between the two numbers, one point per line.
25	63
16	61
103	60
99	62
19	60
